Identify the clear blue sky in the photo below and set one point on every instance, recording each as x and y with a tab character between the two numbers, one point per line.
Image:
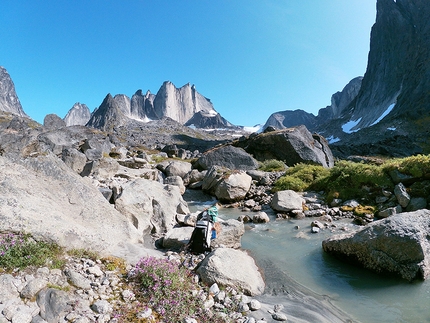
251	58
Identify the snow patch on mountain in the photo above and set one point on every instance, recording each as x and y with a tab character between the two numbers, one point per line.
384	114
347	127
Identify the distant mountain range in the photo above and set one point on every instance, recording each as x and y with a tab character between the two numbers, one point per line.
385	112
184	105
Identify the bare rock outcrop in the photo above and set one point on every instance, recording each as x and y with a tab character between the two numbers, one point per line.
9	101
231	267
151	206
398	244
291	145
227	156
78	115
52	122
180	104
44	197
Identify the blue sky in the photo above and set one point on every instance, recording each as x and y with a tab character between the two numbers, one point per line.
251	58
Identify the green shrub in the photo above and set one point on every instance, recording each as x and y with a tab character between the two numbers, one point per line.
272	165
355	180
289	182
301	177
18	250
416	166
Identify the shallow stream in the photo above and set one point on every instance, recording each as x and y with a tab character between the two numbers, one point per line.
297	254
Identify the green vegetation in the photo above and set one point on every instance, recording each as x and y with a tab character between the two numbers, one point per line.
302	177
84	253
19	250
347	179
416	166
272	165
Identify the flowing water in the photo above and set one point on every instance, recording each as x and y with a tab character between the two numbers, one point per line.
365	296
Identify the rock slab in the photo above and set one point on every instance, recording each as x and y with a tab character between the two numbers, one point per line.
398	244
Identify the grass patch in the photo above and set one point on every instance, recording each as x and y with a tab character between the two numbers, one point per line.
415	166
349	180
115	264
18	250
84	253
354	180
272	165
301	177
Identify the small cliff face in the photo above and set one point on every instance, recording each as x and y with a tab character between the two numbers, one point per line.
9	101
78	115
398	68
180	104
340	101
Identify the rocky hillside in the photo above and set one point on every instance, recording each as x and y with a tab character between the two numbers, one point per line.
385	112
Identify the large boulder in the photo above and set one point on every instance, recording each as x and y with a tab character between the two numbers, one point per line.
287	201
398	244
226	185
151	206
54	304
44	197
231	267
291	145
177	237
52	121
230	234
228	157
178	168
74	159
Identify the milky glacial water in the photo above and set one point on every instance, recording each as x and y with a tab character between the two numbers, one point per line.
365	296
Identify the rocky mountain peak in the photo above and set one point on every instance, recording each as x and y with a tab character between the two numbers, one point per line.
9	101
78	115
180	104
183	105
109	114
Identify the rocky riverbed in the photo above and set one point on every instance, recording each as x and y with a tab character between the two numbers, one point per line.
89	290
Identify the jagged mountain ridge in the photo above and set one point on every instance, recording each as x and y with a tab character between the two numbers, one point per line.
184	105
340	101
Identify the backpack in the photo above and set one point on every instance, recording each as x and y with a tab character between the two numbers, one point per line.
200	240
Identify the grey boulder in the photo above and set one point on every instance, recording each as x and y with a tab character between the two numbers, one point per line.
398	244
287	201
291	145
151	206
231	267
226	185
228	157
